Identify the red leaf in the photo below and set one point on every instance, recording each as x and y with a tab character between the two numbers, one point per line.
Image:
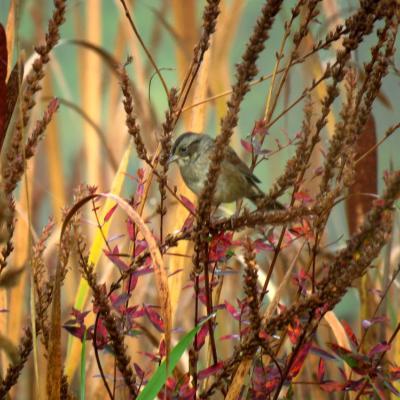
260	245
201	336
188	222
229	337
321	370
349	332
210	370
151	356
154	318
140	174
119	301
188	204
131	230
220	246
186	392
246	145
357	362
322	353
77	331
299	360
260	128
140	246
331	386
232	310
110	213
131	284
162	349
303	197
116	260
379	348
294	330
139	372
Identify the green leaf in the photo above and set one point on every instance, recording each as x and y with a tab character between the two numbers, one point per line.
159	378
83	368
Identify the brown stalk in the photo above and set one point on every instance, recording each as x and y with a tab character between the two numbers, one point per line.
210	15
138	36
15	165
116	336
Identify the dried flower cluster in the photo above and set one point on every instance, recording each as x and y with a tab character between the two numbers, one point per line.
250	340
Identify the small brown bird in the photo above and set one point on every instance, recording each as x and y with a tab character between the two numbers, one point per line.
192	153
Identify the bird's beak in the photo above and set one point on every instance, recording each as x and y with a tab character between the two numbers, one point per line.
172	159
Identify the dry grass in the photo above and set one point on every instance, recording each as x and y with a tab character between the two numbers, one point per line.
93	301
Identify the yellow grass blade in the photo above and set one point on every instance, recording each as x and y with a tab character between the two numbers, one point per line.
339	333
228	24
54	159
91	91
186	28
94	257
10	32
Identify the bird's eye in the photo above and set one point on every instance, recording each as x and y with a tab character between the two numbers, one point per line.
183	149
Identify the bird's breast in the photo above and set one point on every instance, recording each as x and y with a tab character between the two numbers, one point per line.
195	174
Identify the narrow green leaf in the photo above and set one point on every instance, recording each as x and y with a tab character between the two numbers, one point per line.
83	368
159	378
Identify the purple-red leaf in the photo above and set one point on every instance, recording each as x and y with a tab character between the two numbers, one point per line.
188	222
77	331
303	197
322	353
232	310
110	212
357	362
139	372
188	204
113	256
350	334
260	245
201	336
294	330
131	230
260	128
119	301
321	370
379	348
299	360
246	145
210	370
154	318
230	336
331	386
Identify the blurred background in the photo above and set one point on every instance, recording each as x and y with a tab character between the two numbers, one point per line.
88	138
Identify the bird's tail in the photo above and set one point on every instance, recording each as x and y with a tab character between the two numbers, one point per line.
260	201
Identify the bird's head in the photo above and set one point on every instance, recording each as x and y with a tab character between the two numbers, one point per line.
186	148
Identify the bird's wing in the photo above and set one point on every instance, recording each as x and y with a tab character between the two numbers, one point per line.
233	158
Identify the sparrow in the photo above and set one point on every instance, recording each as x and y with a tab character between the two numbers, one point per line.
236	181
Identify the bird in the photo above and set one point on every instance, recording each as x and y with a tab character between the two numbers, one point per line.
192	151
